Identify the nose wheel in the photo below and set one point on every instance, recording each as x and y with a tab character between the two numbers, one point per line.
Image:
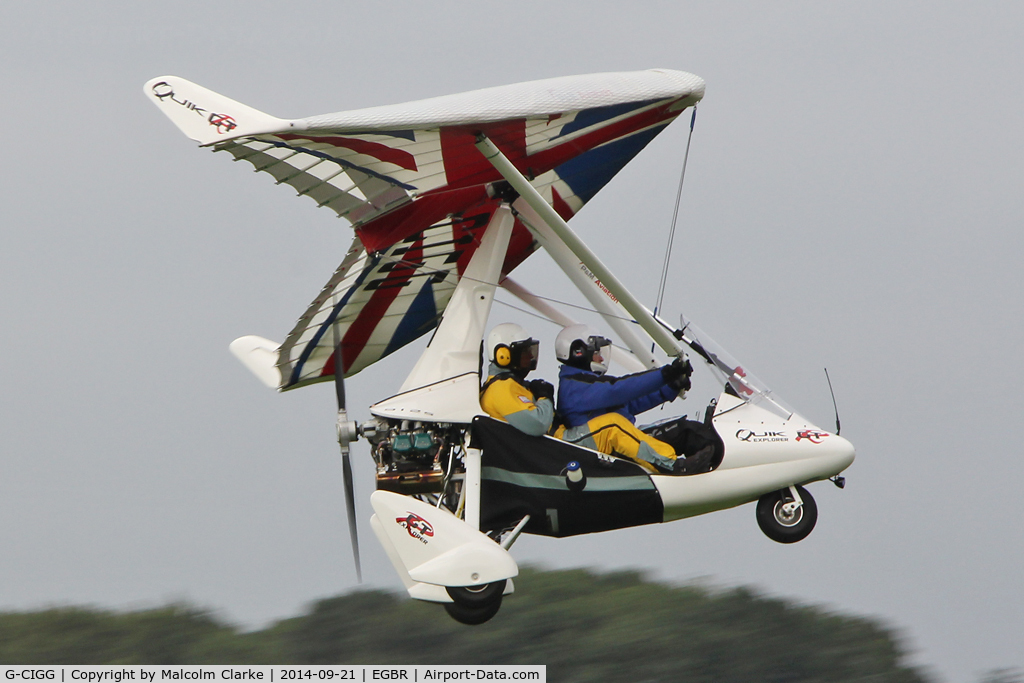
787	515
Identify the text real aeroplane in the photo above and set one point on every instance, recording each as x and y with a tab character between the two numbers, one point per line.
446	197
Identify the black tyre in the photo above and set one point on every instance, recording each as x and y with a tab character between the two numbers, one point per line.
477	596
782	526
473	616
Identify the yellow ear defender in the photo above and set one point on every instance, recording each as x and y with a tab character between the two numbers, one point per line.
502	355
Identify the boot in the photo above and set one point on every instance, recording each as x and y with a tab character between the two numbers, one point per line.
697	463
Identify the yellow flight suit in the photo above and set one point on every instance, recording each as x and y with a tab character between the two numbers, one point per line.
505	399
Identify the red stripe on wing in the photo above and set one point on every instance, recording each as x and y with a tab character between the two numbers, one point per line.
467	171
559	154
429	208
377	150
370	315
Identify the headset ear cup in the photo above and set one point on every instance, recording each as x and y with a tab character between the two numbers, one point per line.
502	356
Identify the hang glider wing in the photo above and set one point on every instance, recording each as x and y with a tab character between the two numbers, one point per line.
418	193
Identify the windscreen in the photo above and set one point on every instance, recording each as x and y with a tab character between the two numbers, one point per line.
738	380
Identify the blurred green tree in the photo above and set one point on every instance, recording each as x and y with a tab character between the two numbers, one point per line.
583	625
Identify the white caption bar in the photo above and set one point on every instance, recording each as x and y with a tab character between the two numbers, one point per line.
270	674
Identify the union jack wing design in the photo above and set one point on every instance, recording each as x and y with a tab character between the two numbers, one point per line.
416	190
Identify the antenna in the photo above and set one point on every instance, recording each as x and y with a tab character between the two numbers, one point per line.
833	400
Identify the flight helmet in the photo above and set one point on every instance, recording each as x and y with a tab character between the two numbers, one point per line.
581	347
512	349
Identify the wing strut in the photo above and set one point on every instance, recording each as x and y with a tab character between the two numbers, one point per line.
660	334
623	357
615	316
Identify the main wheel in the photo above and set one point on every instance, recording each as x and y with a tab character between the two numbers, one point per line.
477	596
784	524
473	616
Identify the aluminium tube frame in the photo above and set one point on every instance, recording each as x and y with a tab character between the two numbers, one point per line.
661	336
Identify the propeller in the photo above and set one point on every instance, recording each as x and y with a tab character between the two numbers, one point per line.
348	431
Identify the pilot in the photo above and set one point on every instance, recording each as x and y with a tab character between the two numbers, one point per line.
599	412
506	395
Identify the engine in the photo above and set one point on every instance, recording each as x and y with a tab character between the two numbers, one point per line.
413	457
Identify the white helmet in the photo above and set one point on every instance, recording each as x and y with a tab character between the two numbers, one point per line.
511	348
581	347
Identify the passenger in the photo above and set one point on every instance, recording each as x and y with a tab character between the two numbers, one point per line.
599	412
506	396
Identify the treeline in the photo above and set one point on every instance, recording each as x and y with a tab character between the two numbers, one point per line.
583	626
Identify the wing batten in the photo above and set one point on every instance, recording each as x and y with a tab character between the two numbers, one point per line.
308	348
300	171
341	162
379	302
385	153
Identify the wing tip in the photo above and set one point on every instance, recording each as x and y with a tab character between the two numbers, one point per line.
209	117
259	355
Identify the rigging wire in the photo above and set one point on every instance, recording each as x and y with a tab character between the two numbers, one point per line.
523	310
675	217
423	267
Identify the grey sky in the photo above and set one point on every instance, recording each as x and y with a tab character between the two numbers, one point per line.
853	201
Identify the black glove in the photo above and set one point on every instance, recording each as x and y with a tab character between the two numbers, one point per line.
681	384
541	389
677	375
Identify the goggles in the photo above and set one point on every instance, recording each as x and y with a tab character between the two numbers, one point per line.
525	354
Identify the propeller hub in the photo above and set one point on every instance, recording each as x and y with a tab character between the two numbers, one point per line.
348	430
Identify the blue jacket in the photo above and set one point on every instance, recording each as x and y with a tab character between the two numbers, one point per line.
584	395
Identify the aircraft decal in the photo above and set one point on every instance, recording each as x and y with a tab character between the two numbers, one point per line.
223	123
418	528
812	435
751	436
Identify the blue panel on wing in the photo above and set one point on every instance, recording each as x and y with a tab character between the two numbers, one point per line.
591	117
328	324
421	317
589	172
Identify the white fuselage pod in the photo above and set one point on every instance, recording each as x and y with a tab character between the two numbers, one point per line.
763	453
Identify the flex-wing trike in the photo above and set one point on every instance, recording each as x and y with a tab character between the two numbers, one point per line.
447	196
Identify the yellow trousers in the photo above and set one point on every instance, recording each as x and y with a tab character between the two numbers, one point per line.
613	433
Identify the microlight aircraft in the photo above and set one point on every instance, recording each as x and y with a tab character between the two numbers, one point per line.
447	196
